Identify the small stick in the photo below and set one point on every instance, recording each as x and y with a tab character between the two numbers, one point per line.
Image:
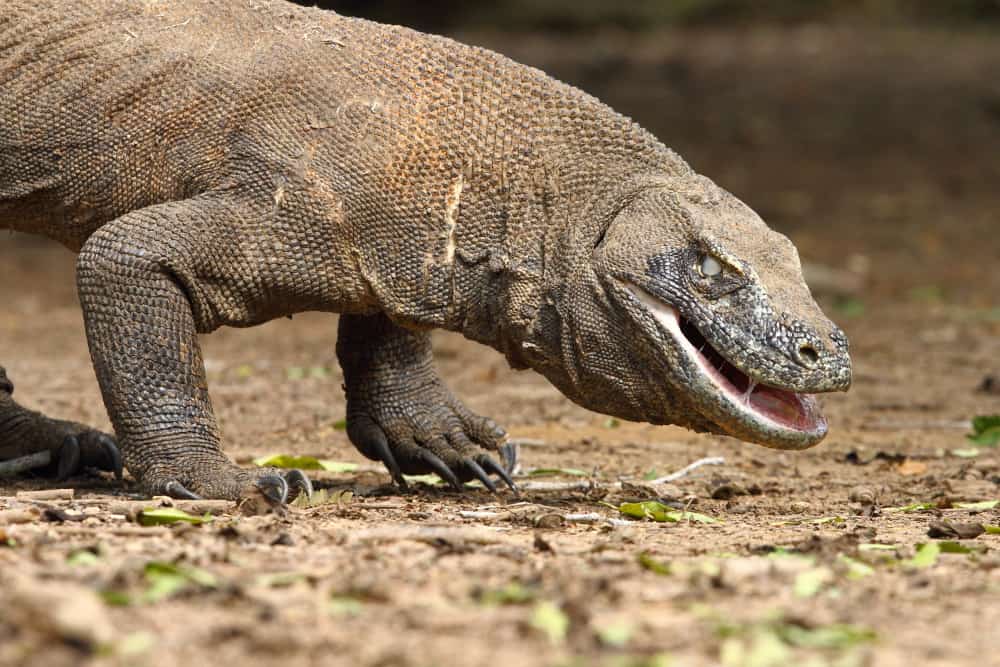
708	461
24	463
19	516
46	494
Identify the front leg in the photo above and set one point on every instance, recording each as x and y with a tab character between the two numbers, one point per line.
72	446
399	412
139	278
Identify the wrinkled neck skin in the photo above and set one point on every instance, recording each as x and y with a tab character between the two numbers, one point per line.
517	298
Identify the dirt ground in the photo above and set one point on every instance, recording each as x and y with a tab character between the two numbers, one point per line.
875	151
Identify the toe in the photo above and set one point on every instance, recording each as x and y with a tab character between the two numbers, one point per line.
440	468
274	487
112	454
480	474
69	458
175	489
371	441
491	466
298	485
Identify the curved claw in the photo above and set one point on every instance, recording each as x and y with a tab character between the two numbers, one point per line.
480	474
498	470
440	468
508	451
274	487
381	447
110	448
298	484
175	489
69	458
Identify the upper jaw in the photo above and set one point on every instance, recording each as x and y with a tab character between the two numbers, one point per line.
736	403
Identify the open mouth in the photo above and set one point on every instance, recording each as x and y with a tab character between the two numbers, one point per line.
765	405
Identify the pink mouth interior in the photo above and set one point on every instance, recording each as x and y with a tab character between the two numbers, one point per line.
787	408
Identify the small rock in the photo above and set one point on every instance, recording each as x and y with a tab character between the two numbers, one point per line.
866	495
728	490
955	530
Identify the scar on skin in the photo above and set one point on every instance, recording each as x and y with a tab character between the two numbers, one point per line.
451	209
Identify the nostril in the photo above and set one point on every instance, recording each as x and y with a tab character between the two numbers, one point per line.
808	354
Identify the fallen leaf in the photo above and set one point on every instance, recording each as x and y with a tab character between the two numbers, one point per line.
654	565
926	556
657	511
982	505
616	635
855	568
985	430
810	582
159	516
513	593
304	463
550	620
549	472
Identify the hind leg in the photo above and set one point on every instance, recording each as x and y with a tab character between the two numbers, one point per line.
70	446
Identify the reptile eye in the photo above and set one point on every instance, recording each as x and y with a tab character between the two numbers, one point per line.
710	267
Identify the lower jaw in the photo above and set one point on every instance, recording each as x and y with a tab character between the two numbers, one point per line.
739	407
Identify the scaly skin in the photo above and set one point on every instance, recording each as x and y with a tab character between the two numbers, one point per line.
226	163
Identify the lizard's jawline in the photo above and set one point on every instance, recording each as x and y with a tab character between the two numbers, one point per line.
776	408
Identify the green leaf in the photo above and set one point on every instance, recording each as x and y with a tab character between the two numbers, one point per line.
166	580
160	516
965	453
836	636
616	635
550	620
83	558
295	373
611	422
341	605
926	556
810	582
429	479
952	547
815	522
513	593
983	505
340	424
985	430
304	463
855	568
654	565
657	511
991	530
244	371
549	472
116	598
651	474
914	507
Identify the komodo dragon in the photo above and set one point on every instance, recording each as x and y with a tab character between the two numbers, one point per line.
223	163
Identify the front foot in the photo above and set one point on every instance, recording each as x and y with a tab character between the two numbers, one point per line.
222	480
416	438
399	412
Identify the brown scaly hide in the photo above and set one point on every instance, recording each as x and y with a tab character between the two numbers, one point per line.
226	163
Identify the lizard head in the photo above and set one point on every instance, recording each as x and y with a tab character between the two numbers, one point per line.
687	309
